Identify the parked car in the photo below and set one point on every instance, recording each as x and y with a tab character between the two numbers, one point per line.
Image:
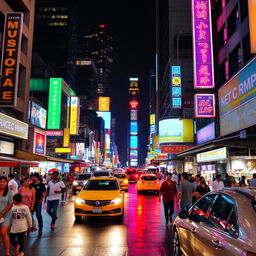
221	223
79	182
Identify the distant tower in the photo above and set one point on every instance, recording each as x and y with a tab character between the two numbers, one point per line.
98	45
133	129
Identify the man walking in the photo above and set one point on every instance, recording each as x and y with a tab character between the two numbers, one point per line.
54	189
40	197
12	184
186	191
168	191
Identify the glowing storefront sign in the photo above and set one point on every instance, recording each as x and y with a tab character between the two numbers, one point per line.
54	133
104	103
54	106
206	134
152	119
6	148
10	64
74	115
62	150
174	149
13	127
252	22
204	105
212	155
202	44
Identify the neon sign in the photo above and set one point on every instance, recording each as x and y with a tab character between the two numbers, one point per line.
204	105
202	44
134	104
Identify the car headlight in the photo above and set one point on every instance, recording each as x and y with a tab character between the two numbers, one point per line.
75	183
116	201
125	182
79	201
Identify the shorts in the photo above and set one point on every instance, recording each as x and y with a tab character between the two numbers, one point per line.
7	221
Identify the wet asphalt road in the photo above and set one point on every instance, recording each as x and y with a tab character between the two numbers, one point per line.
142	232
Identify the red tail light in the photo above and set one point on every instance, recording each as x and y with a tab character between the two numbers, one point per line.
137	175
251	254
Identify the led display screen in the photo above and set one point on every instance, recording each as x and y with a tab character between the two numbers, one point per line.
133	141
176	130
106	117
133	155
134	127
206	134
134	115
37	115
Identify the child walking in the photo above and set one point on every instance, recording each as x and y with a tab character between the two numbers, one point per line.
21	222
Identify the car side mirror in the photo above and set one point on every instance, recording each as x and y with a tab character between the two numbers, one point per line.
184	214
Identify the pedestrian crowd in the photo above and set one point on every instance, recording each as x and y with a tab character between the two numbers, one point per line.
185	189
21	200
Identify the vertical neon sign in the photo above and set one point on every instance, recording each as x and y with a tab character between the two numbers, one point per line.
202	44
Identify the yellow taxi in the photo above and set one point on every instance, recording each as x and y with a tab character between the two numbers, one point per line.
100	196
148	182
123	180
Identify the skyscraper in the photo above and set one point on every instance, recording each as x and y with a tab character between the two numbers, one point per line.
98	45
55	36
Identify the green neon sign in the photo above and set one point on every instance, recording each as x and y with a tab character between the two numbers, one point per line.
54	105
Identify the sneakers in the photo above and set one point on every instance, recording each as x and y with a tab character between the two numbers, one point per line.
53	226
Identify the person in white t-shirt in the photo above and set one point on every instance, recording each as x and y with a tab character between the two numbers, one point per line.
218	183
54	189
12	184
21	221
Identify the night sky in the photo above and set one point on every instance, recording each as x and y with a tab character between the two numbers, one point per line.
132	26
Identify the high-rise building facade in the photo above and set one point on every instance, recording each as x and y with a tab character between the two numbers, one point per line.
98	45
55	36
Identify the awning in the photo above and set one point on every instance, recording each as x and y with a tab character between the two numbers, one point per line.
61	160
6	161
230	142
29	156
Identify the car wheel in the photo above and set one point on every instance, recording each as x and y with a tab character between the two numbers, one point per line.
176	244
78	218
120	218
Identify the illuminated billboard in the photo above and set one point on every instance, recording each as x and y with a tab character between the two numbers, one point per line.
10	63
74	115
134	115
134	104
134	155
37	115
176	130
237	101
106	117
152	119
133	127
133	141
202	44
104	103
204	105
54	106
252	23
40	141
212	155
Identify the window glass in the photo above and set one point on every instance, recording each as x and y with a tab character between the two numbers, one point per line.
148	178
101	185
232	225
221	211
200	211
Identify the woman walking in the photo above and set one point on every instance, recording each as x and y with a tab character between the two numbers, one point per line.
5	214
28	197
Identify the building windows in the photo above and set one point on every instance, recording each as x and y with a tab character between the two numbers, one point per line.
235	60
233	22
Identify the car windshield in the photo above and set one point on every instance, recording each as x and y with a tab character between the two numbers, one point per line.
120	176
98	174
131	172
83	176
101	185
148	178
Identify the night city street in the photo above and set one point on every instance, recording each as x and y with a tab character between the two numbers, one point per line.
128	128
142	231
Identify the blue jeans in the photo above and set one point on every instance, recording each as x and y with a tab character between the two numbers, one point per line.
185	206
52	206
38	212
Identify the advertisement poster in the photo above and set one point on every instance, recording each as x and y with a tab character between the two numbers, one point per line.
39	143
37	115
204	105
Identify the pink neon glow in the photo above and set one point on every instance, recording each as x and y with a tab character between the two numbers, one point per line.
202	40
